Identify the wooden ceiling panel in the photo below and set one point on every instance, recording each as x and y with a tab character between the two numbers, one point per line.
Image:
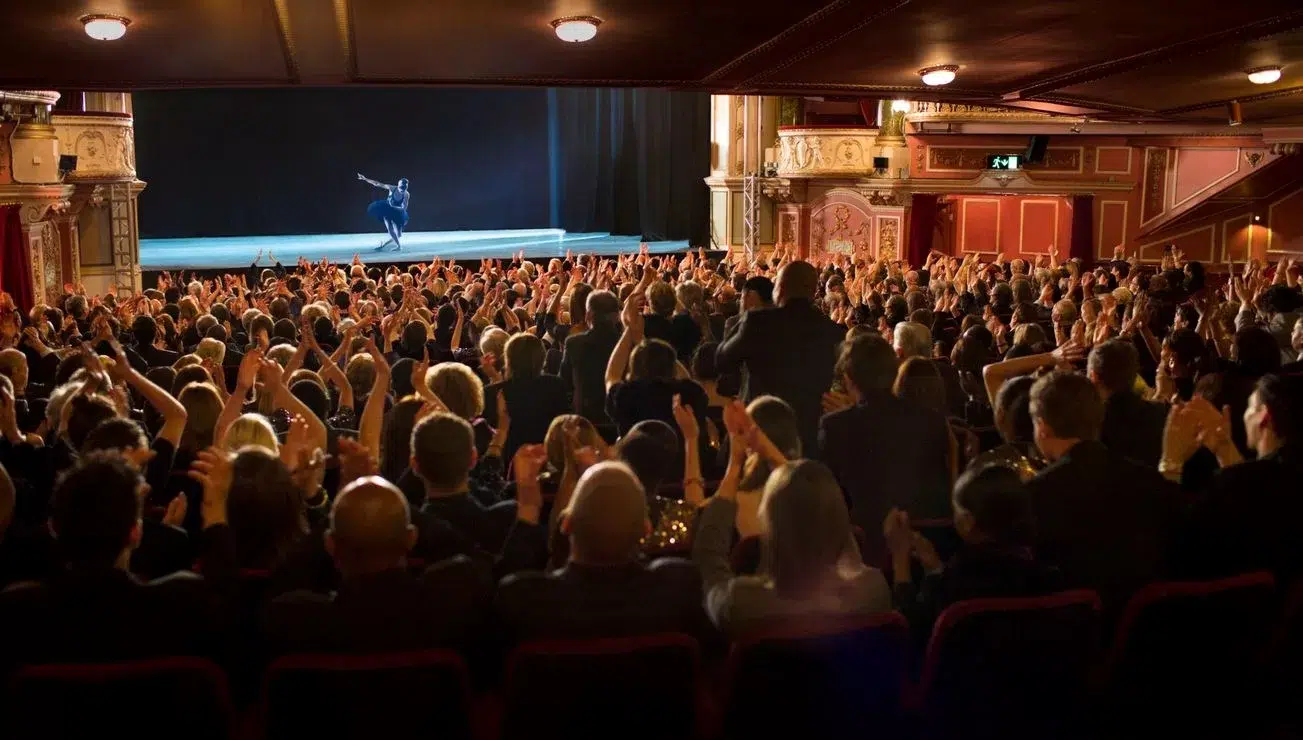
1217	75
1002	45
169	42
639	42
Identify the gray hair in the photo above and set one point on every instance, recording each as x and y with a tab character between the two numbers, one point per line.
912	339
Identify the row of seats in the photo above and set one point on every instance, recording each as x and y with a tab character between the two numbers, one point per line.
1194	658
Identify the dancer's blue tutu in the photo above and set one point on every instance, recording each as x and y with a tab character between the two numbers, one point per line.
382	210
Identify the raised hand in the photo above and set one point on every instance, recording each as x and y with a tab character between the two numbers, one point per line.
685	418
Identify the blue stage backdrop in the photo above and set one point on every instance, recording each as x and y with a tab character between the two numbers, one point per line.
275	162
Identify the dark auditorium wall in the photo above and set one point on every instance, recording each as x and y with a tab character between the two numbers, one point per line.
225	162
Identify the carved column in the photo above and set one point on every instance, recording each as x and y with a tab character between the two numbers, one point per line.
742	127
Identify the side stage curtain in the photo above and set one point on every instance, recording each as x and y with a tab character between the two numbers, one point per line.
15	270
630	162
922	224
1083	229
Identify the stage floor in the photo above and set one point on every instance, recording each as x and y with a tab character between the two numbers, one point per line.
239	251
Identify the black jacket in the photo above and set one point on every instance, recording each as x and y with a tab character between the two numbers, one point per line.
787	352
888	452
1104	520
583	368
382	612
532	404
1133	427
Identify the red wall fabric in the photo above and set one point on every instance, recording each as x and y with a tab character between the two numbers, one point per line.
15	270
922	222
1083	231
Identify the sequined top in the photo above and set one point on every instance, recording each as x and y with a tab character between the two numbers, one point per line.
1023	457
673	530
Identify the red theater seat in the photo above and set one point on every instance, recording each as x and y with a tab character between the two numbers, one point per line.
816	678
418	694
155	698
1011	668
1188	657
648	686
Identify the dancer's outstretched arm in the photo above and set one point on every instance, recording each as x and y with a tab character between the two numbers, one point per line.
369	181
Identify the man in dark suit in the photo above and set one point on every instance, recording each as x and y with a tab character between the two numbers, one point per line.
1104	519
94	609
583	363
533	399
605	590
458	486
885	451
788	351
1251	516
1133	427
145	330
379	606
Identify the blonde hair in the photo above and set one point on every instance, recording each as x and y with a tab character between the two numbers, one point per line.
211	349
458	387
281	353
186	361
251	429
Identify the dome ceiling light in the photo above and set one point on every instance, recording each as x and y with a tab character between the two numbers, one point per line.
576	29
105	27
1263	75
942	75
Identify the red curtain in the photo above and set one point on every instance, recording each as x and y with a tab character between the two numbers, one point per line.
1083	229
922	223
869	109
15	270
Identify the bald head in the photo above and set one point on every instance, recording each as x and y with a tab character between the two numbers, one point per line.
607	518
370	526
796	280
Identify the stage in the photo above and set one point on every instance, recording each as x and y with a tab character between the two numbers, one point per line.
423	246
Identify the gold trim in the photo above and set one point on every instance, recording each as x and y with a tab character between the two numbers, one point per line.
35	131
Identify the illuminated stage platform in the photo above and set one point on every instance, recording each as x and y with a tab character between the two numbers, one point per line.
239	251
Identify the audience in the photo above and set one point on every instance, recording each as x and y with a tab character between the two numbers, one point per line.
363	459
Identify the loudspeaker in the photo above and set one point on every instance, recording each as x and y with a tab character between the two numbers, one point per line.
67	162
881	163
1036	146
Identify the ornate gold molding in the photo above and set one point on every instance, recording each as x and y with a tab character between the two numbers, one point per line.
105	146
806	152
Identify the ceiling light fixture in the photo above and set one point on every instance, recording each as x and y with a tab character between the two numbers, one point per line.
900	106
105	27
942	75
576	29
1263	75
1234	114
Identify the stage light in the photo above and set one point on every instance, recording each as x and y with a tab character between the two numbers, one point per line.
576	29
1264	75
900	106
942	75
1234	115
105	27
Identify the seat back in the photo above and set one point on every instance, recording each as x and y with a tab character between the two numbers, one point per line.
826	677
422	693
1191	652
1011	667
650	685
158	697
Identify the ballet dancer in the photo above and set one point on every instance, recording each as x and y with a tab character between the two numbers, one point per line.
390	211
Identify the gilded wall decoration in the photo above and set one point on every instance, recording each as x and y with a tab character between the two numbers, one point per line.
957	158
737	161
50	256
806	152
5	174
104	146
1155	184
888	229
787	234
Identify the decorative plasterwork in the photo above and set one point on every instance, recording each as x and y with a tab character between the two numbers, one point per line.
36	200
105	146
782	190
805	152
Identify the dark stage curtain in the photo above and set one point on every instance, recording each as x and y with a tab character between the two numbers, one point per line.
15	271
922	223
630	162
1083	228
